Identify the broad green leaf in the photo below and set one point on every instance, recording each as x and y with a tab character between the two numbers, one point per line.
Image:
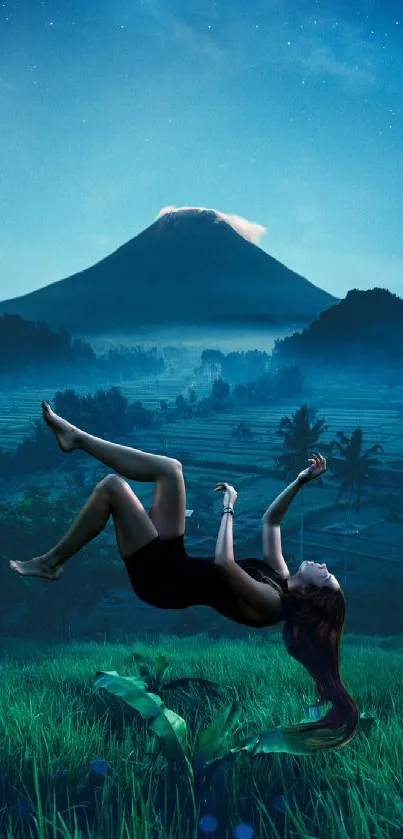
278	740
169	727
214	735
161	664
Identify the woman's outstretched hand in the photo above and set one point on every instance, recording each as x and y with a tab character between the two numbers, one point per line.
230	494
317	467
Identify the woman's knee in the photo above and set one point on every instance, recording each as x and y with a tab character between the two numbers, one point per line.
112	483
174	465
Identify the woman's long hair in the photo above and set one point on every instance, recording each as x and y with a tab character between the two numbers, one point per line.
312	633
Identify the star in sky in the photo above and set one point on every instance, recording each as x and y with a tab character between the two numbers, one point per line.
127	106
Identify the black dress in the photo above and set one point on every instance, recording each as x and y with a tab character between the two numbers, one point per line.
163	575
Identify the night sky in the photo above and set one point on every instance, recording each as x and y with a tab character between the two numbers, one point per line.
288	113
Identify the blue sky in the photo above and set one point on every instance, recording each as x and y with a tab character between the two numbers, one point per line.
288	113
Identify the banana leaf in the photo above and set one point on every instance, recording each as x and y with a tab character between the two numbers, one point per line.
161	664
214	735
208	770
170	728
267	742
277	740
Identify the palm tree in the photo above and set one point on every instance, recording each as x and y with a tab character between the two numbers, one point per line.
355	468
301	436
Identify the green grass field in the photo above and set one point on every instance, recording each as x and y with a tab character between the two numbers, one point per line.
54	725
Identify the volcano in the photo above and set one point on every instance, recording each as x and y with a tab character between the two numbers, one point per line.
190	267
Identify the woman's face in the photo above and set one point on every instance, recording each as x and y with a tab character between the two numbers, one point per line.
316	573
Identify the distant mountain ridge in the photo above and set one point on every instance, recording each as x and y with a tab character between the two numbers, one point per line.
361	332
187	267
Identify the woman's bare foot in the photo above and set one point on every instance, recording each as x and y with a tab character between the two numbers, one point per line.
38	567
66	434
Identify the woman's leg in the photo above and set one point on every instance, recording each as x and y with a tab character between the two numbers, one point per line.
130	463
169	504
112	496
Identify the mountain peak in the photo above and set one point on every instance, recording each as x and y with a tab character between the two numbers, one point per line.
172	217
249	230
170	213
191	265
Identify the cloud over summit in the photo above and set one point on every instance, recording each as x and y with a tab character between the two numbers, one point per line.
250	230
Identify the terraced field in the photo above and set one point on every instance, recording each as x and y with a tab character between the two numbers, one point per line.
212	438
210	453
18	409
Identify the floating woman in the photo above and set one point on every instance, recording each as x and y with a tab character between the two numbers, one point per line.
253	592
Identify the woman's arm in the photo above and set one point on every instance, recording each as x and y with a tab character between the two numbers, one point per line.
271	534
224	548
271	537
262	598
278	508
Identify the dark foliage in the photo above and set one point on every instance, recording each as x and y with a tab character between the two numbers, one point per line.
364	330
31	351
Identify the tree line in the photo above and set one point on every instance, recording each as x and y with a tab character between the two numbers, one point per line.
364	330
30	352
109	414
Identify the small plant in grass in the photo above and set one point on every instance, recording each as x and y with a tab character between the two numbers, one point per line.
202	767
171	729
